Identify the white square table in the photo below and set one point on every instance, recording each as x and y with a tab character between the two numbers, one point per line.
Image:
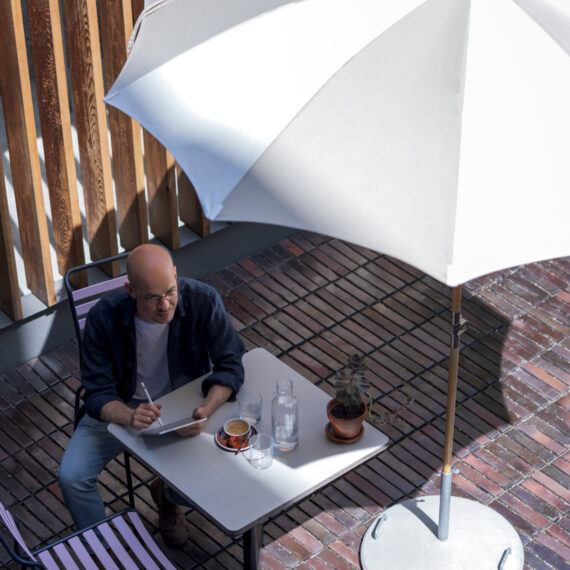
222	485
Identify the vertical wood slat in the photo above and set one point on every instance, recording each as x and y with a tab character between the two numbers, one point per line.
190	209
55	122
160	180
128	168
82	30
191	212
161	185
10	301
24	159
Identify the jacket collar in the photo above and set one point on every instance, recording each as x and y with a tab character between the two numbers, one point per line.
127	308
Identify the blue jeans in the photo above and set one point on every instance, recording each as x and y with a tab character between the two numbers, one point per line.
90	448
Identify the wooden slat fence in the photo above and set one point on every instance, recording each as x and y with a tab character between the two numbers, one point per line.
91	37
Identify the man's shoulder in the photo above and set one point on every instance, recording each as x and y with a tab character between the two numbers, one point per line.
196	298
114	297
116	303
189	287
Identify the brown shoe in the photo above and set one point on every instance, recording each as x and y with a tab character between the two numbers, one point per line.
171	520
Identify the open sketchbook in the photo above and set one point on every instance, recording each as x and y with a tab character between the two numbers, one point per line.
157	429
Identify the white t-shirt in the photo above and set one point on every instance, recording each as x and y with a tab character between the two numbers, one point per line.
152	361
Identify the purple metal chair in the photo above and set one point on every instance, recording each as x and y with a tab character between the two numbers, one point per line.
80	302
119	541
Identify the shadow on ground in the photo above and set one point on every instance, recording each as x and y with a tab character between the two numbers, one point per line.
313	301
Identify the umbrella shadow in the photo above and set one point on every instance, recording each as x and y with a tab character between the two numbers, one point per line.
409	366
401	320
413	507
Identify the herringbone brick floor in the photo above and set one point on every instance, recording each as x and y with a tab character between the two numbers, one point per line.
312	301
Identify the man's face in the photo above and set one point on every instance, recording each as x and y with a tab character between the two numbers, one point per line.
156	295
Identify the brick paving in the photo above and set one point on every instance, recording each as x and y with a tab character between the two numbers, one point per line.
312	301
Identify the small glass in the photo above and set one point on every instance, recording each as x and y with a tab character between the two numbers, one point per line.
250	406
260	451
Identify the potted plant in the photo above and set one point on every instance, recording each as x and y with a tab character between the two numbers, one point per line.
348	409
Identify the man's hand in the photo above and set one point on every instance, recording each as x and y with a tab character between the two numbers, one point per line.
145	414
217	395
195	429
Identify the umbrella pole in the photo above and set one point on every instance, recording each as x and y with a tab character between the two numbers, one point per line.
481	537
458	326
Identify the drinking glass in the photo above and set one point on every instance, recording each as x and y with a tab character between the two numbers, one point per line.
250	406
260	451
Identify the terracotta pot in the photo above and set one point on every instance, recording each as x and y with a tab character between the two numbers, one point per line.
345	429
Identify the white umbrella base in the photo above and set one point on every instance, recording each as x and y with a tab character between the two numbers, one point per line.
404	537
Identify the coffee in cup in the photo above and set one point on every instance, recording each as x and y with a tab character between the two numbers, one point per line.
236	431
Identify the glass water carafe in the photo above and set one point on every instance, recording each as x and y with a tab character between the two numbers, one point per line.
285	417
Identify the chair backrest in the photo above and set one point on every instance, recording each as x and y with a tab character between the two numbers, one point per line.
81	300
120	541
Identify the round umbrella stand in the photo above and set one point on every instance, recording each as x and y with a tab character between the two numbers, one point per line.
405	537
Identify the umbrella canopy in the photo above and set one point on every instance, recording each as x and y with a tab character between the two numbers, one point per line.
434	131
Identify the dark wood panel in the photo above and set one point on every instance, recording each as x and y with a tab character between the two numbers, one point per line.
17	102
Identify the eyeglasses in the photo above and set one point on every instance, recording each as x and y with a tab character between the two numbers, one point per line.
171	295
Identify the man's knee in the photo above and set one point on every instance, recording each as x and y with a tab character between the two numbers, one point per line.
67	474
74	473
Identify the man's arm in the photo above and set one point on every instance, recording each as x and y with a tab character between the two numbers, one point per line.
107	355
225	348
139	418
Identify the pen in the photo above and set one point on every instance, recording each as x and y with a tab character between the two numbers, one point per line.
150	401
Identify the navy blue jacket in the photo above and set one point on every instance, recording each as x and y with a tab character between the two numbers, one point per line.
200	338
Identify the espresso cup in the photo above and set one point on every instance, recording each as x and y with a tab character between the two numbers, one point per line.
237	431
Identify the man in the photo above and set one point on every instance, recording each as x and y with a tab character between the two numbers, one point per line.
160	331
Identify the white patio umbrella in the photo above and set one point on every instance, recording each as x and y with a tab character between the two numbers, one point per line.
437	132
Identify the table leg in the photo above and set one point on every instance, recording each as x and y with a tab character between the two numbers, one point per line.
252	540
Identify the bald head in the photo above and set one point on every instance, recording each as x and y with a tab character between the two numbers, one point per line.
147	260
152	282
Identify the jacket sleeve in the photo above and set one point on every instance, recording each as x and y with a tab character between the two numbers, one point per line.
100	370
225	348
